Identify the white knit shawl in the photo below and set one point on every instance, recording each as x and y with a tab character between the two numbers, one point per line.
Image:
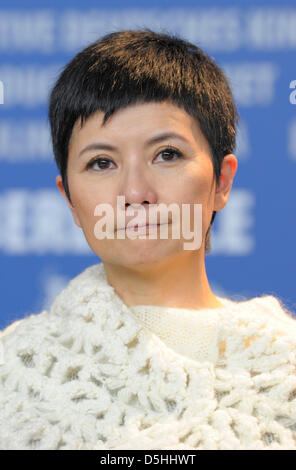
89	374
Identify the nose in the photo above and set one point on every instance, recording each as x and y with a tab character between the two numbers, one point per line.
140	194
142	210
138	188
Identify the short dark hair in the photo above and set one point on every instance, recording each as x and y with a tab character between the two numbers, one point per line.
130	66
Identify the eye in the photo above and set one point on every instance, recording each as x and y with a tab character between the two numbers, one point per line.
102	162
169	153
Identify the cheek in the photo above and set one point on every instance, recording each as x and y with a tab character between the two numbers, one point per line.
84	205
84	196
197	190
84	202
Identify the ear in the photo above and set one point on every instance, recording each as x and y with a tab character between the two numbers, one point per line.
61	188
228	170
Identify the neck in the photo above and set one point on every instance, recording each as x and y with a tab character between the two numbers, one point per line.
179	282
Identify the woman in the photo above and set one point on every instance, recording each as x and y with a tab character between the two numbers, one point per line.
137	352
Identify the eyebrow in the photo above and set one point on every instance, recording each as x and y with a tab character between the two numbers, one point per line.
153	140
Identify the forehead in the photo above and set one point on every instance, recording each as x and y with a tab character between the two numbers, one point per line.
137	122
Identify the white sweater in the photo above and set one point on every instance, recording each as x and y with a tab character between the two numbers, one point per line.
91	373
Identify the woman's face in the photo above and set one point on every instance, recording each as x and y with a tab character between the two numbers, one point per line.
143	173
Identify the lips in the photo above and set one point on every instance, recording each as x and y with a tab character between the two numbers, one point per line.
136	227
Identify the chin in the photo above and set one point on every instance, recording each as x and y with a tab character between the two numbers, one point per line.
141	255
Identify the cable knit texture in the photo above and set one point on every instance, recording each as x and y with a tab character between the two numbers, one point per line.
91	373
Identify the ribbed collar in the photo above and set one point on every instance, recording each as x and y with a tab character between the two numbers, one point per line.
193	333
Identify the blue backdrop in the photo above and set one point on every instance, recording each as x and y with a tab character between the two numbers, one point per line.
253	238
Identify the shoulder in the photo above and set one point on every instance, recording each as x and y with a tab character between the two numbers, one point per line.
84	315
265	306
79	290
266	315
88	286
10	328
69	307
273	309
258	333
22	326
